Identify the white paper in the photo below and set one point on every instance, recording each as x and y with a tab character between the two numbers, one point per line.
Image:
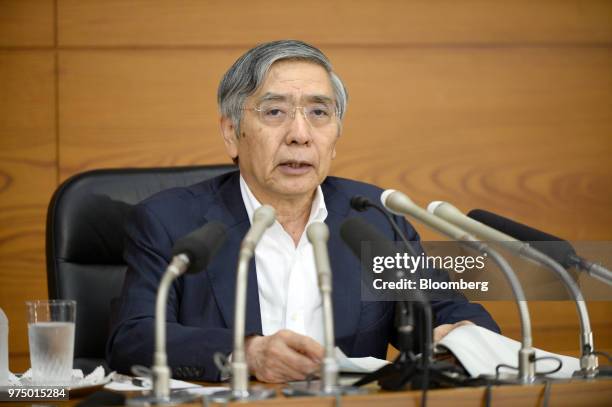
480	350
122	386
206	390
358	365
78	380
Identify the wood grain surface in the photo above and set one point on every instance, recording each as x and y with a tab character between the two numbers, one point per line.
27	23
28	177
345	22
505	106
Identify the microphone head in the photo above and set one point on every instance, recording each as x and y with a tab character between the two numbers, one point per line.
441	208
561	251
433	205
264	214
317	231
201	245
385	195
360	203
396	202
356	230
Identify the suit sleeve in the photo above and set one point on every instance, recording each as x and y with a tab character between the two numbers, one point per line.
190	349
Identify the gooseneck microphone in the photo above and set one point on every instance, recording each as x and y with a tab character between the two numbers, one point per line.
318	235
588	362
191	254
354	231
562	251
263	218
362	204
398	203
405	312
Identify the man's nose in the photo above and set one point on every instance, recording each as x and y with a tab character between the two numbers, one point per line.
299	131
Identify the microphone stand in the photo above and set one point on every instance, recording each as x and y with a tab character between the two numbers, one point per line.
318	235
160	371
588	359
262	219
526	354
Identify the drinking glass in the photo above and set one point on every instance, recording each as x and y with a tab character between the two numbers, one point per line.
51	339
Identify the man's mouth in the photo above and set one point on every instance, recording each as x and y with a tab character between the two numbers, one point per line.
295	167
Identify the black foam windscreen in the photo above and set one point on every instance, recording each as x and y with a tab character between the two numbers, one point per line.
360	203
554	247
356	230
201	245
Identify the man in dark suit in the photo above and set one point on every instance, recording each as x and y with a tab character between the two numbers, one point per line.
281	113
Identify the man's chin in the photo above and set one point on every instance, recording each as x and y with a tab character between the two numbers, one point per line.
297	187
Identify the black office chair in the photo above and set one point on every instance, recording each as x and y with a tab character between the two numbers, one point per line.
85	243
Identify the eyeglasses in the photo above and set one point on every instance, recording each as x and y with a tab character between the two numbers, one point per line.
276	114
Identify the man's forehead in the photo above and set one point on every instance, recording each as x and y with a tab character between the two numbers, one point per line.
288	78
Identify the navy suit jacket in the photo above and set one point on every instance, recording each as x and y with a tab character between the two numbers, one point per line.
201	306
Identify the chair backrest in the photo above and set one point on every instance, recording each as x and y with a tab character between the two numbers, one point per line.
85	240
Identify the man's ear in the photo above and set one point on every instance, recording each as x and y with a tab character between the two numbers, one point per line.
228	131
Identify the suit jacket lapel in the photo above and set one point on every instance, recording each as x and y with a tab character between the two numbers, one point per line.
346	277
229	209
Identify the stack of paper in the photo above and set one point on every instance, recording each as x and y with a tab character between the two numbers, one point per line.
481	350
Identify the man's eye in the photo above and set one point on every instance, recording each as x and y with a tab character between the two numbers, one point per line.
319	112
274	112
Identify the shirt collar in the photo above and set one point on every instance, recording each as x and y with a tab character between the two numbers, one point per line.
318	211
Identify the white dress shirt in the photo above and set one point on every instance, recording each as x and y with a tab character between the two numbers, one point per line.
289	295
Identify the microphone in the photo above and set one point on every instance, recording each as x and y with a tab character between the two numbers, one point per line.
191	254
318	235
362	204
405	369
405	309
588	361
562	251
200	246
354	231
400	204
263	218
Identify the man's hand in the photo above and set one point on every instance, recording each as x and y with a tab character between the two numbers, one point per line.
283	357
442	330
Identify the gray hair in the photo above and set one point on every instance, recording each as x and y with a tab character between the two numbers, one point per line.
249	71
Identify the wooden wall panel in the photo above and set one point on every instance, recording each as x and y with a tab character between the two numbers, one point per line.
27	23
526	132
28	177
128	108
432	108
192	22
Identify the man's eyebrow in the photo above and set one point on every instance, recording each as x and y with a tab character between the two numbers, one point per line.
282	97
319	99
272	96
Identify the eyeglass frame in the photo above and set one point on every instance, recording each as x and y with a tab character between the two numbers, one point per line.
291	113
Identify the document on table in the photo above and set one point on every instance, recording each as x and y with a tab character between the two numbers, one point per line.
358	365
480	350
127	383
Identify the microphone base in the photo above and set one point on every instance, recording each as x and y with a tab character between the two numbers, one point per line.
510	378
601	371
175	398
252	394
314	389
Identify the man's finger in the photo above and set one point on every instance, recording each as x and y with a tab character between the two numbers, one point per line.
304	344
